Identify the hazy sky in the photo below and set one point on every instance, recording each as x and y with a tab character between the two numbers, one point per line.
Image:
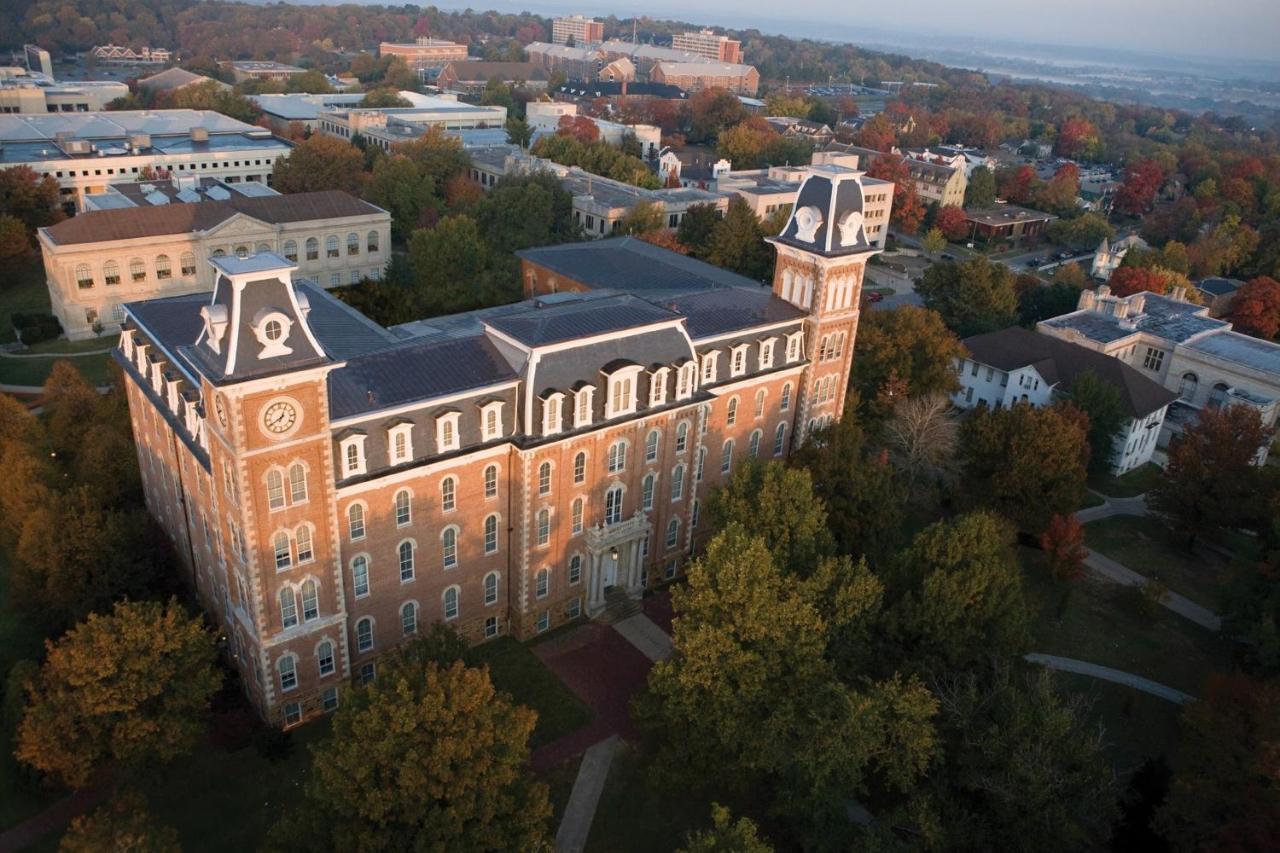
1240	28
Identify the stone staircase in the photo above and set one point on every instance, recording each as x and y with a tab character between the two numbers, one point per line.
617	605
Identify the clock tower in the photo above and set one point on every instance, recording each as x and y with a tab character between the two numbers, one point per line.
265	380
822	259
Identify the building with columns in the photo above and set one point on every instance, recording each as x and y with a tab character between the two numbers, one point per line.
335	486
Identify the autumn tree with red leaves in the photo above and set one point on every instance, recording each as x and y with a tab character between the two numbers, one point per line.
1063	544
1127	281
1256	308
1017	185
1138	191
1077	138
580	128
951	222
908	209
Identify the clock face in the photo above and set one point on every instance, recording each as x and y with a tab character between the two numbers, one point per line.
279	417
221	408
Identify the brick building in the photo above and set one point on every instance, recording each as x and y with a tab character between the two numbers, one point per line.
425	53
335	486
696	76
578	28
713	46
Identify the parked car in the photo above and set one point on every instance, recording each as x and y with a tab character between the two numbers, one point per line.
1035	262
947	257
873	296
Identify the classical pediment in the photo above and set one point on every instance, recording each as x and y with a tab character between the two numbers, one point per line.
240	225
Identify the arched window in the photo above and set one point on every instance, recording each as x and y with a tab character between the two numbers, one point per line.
406	561
288	608
755	444
491	588
403	513
701	463
617	456
1218	396
110	273
726	457
371	242
646	492
353	244
544	478
218	253
188	262
451	603
275	489
682	436
786	398
297	483
491	534
731	415
779	439
313	249
324	658
287	669
576	515
575	569
448	494
677	483
1187	388
364	634
449	547
242	251
163	268
580	468
760	395
542	583
84	277
409	619
491	481
651	445
673	533
544	526
310	601
613	505
355	521
291	250
137	270
280	544
331	246
303	536
360	576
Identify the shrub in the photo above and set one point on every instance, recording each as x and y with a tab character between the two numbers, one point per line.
36	327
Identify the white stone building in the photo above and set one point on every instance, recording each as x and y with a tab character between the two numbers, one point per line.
544	117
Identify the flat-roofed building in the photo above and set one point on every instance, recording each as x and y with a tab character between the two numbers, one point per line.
386	126
35	93
716	47
646	56
545	116
112	54
579	28
425	52
472	77
696	76
86	152
153	239
173	79
1007	222
334	488
255	69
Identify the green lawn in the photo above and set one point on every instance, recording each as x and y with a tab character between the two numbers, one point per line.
62	345
516	670
1091	498
1144	545
34	371
1093	624
1139	481
1136	725
22	288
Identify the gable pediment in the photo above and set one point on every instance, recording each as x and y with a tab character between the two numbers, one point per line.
240	225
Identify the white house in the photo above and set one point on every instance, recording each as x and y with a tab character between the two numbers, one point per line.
1110	255
1016	365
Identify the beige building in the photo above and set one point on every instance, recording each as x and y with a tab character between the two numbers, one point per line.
713	46
940	182
581	29
696	76
425	52
98	261
34	93
246	70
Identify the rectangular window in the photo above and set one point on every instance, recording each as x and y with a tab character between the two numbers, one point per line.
329	699
1153	360
367	673
544	621
326	659
574	610
491	626
292	714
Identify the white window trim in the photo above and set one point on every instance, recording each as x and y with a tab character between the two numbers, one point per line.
709	366
766	353
740	349
400	429
658	386
489	435
578	406
795	346
361	466
686	380
611	407
553	413
448	418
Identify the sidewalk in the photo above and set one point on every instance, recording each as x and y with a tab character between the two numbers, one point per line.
1117	676
1101	564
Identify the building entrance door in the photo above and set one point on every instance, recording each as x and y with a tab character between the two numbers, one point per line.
609	569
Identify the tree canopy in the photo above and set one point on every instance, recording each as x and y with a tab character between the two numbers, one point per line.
972	296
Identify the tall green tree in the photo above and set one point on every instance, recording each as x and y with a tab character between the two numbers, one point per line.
1028	464
320	162
399	186
973	296
1107	416
125	691
1210	474
981	189
737	243
903	352
439	155
452	266
439	761
696	228
526	211
726	835
779	505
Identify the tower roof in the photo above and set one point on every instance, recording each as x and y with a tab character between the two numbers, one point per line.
828	218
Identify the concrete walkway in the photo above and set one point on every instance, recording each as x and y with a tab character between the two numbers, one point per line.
580	811
1106	673
1101	564
1113	506
85	354
643	633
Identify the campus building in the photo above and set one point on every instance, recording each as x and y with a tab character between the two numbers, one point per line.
713	46
252	69
696	76
87	152
425	53
579	28
335	486
151	239
36	93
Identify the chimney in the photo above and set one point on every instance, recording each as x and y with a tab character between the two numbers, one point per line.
1137	304
1180	293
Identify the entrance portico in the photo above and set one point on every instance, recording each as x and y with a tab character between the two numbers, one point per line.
614	559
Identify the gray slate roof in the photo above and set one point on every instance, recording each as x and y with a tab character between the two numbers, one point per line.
1166	318
1062	362
552	322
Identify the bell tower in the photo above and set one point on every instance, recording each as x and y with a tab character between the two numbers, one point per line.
822	259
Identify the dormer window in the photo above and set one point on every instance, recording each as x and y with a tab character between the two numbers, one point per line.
491	420
622	392
582	406
552	410
351	449
447	432
684	380
709	367
738	364
215	325
400	444
766	354
658	387
271	328
793	346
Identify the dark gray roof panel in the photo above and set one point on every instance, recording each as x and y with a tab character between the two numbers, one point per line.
633	266
718	312
343	331
415	371
543	324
